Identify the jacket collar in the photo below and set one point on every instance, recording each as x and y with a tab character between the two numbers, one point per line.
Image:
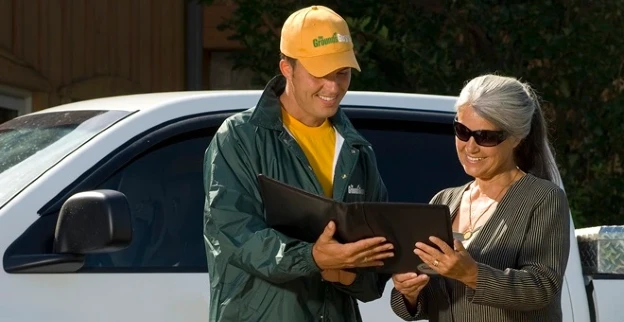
268	114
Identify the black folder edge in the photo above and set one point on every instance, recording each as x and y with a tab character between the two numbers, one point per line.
422	268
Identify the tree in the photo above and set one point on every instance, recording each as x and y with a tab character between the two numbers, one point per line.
570	51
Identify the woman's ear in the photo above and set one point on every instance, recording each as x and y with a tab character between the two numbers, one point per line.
516	142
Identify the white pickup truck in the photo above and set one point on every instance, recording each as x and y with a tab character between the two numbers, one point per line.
101	204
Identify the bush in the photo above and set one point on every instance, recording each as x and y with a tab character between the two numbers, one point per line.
572	52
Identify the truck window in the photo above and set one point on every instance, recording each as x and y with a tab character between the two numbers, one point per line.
416	159
165	191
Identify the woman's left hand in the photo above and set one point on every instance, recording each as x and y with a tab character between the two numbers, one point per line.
452	263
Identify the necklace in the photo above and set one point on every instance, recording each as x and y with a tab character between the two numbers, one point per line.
468	233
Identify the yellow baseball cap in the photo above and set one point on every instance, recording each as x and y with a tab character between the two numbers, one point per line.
320	39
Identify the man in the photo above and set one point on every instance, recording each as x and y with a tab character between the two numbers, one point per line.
296	134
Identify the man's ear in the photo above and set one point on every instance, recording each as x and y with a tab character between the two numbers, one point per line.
286	68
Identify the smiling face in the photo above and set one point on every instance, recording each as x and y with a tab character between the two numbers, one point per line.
312	100
478	161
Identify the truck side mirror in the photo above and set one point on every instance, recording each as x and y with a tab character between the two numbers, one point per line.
94	221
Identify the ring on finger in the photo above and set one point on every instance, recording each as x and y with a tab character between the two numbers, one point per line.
436	262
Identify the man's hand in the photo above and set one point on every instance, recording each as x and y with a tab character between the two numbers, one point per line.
339	276
329	254
410	285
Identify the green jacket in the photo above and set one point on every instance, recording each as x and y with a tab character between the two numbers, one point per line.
257	273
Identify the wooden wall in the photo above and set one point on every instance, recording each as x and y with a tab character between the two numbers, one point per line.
218	70
68	50
214	39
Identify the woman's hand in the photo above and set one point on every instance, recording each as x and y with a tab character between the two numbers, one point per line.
410	285
452	263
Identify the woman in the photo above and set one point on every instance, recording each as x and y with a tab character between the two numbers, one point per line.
511	223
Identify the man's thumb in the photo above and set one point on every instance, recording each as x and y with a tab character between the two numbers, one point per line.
328	233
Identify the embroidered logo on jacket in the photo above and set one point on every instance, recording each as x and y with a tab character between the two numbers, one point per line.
355	190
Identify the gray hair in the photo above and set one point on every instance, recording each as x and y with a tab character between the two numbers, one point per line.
513	107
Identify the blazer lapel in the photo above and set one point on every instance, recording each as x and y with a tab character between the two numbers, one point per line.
488	235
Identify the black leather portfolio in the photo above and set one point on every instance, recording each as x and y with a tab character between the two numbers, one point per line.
303	215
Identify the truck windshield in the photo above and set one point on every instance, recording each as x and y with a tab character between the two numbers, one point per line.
34	143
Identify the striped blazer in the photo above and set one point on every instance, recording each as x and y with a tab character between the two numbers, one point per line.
521	253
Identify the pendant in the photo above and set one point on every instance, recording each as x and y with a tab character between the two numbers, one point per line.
467	235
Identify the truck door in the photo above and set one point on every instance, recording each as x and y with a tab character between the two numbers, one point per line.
161	275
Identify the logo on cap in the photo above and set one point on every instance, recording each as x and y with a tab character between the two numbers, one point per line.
335	38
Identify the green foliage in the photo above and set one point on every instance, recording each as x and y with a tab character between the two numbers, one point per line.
571	51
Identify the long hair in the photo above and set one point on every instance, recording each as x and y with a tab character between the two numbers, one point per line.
514	107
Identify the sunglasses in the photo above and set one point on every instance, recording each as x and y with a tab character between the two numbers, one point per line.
487	138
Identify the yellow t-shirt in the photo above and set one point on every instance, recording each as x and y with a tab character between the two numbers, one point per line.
318	144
